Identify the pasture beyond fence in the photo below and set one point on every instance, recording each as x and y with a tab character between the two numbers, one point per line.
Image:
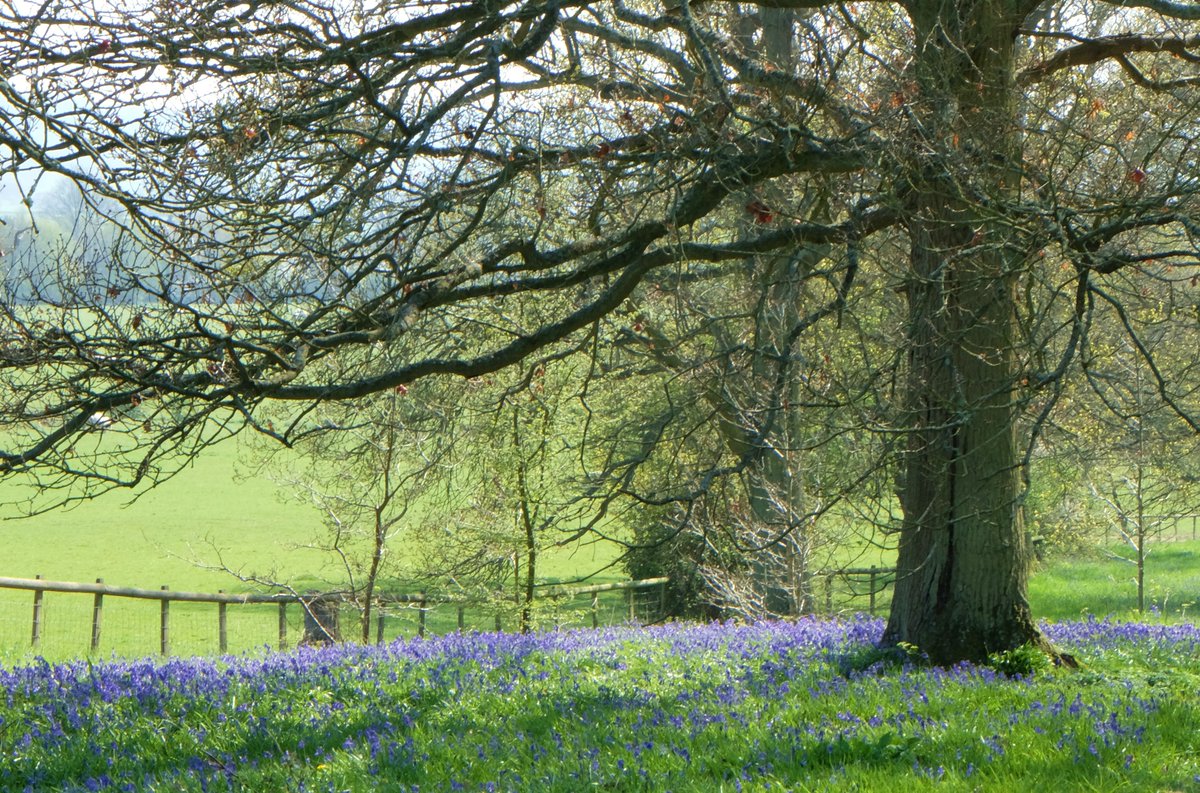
194	623
78	623
187	624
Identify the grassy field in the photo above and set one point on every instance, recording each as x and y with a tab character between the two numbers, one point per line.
172	534
1100	584
806	706
177	534
1063	589
1096	582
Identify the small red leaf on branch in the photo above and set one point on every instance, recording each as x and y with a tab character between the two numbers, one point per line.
1137	176
401	389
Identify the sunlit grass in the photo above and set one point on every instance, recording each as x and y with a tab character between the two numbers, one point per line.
1098	582
700	708
216	512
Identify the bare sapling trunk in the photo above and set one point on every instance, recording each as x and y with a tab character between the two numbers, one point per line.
528	530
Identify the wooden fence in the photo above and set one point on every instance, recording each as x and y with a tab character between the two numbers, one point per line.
871	582
874	580
422	601
1175	527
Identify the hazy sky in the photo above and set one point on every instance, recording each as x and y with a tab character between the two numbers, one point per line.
10	195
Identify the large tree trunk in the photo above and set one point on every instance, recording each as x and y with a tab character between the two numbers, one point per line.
961	584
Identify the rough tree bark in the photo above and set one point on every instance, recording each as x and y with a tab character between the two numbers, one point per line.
963	561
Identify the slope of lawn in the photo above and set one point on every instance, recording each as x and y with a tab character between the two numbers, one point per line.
215	512
173	534
178	535
683	708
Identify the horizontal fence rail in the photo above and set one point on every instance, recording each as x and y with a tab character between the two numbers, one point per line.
1177	526
320	609
876	579
100	588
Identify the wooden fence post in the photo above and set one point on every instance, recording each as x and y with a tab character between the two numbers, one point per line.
97	612
829	594
871	609
36	638
422	599
222	632
165	624
379	626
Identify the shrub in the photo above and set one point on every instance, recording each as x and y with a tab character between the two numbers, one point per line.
1024	661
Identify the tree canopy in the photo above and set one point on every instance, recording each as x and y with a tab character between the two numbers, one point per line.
901	219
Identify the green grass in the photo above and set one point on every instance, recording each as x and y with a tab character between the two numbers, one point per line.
182	531
771	707
1064	587
179	534
173	534
1096	583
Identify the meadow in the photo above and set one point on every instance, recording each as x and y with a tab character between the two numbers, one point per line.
216	514
804	706
218	510
1098	582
